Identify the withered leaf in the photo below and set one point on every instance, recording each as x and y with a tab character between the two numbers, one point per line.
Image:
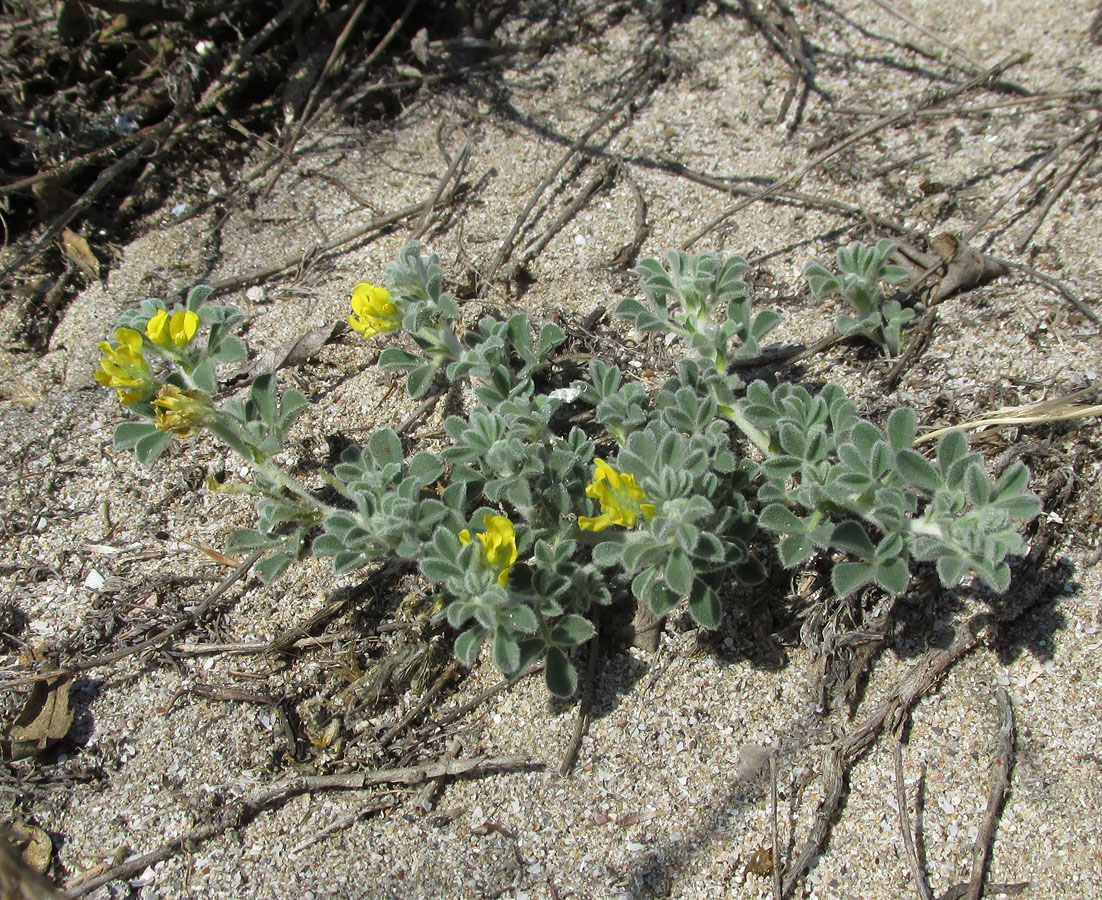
293	353
45	719
34	845
20	882
967	268
752	758
79	253
761	862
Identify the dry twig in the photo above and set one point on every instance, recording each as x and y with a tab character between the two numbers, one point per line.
922	883
629	93
1056	409
192	616
585	707
1000	780
889	713
238	812
860	134
296	260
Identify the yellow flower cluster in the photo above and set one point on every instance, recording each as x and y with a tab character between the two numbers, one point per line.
173	331
181	412
619	497
373	311
125	368
499	545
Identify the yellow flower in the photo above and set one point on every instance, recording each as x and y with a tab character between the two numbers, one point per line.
176	330
619	496
499	545
374	312
181	412
125	368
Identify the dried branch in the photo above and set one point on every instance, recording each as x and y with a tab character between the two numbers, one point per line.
1000	780
922	882
191	616
1056	409
585	708
889	713
1085	156
860	134
506	247
86	199
596	183
293	261
239	812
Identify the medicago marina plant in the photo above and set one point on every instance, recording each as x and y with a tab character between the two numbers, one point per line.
528	523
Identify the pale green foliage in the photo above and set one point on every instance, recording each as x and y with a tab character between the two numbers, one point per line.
862	269
708	510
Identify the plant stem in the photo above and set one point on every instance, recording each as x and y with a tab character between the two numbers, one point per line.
274	473
756	436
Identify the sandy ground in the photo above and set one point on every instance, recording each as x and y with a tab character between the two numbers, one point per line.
97	550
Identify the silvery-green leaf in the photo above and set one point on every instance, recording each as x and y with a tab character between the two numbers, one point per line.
847	577
571	630
129	433
420	379
950	570
778	518
917	470
560	674
852	537
795	549
704	605
268	570
678	572
204	377
892	575
901	428
152	445
468	644
506	651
